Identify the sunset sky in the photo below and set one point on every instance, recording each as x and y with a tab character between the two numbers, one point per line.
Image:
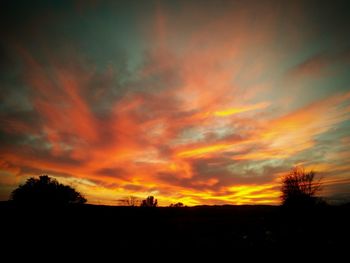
200	102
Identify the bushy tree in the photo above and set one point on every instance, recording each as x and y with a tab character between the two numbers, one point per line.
130	201
179	204
299	188
149	202
46	191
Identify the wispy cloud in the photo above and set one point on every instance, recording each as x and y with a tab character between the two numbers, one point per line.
194	111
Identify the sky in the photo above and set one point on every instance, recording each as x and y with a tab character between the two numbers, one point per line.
199	102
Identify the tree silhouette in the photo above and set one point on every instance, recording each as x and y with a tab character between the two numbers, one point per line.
179	204
149	202
130	201
299	188
46	191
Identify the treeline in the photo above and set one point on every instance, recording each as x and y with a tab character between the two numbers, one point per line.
299	188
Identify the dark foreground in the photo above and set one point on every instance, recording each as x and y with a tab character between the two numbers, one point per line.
214	228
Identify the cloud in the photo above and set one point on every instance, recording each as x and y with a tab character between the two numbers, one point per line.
231	111
321	64
192	111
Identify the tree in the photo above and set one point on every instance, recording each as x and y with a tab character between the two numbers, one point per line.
179	204
46	191
130	201
299	188
149	202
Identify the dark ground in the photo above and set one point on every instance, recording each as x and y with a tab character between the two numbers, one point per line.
204	228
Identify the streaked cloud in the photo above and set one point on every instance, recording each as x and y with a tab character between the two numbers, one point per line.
200	105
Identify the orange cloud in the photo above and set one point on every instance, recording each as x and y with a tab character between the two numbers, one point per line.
203	150
296	131
175	127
